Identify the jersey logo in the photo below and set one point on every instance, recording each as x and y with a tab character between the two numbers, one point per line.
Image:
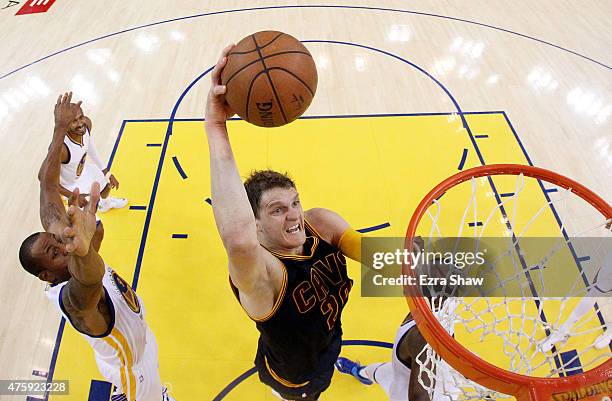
81	165
326	274
127	293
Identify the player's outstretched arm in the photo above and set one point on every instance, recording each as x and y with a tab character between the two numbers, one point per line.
233	214
84	289
52	212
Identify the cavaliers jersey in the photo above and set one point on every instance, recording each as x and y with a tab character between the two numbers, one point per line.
300	338
120	351
77	156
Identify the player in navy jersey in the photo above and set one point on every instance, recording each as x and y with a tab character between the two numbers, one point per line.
287	266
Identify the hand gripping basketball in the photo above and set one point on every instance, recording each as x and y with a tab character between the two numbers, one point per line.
217	109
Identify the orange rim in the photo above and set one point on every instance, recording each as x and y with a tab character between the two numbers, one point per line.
524	388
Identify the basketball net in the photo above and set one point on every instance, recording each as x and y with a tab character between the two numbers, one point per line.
558	288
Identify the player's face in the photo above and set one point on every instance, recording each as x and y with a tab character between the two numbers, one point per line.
77	126
281	219
51	253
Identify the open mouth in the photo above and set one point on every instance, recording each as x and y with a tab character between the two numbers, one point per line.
293	229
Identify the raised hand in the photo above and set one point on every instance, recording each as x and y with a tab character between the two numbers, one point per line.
65	112
82	226
217	109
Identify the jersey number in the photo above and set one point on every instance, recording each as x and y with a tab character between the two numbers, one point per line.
330	307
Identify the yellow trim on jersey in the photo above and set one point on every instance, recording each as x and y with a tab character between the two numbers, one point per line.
313	248
350	244
282	381
130	361
81	144
314	230
117	341
279	300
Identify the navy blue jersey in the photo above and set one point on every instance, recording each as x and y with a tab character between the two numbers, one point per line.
300	339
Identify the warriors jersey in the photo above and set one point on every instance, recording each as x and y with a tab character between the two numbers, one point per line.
83	166
400	370
394	377
77	155
301	337
126	353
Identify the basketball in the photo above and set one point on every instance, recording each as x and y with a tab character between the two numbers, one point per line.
271	78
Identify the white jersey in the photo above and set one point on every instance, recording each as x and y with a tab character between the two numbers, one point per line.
126	353
80	170
398	390
397	380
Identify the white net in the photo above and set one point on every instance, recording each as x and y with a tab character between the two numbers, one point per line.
547	304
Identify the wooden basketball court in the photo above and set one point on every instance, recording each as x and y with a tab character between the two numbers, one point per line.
531	80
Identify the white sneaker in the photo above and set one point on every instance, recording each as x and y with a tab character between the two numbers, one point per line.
556	336
604	340
111	203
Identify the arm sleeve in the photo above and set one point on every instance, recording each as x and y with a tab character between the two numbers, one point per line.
93	153
350	244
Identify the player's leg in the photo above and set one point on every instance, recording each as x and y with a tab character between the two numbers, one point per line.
149	387
92	173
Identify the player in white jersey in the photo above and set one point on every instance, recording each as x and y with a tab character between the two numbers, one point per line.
82	166
93	298
399	377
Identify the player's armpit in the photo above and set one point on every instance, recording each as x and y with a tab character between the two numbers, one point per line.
247	266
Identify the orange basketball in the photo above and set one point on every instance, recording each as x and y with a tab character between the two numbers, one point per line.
271	78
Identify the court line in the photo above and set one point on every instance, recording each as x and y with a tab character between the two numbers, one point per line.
178	167
313	117
463	158
558	219
374	228
169	133
114	151
160	165
58	340
465	124
305	6
234	383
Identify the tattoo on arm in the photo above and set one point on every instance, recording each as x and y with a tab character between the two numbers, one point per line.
52	212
